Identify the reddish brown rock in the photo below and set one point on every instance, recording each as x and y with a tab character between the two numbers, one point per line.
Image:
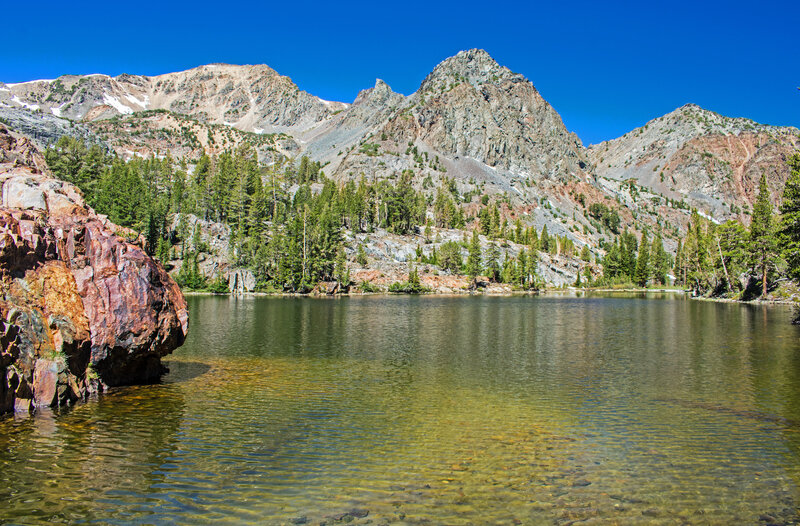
82	302
45	382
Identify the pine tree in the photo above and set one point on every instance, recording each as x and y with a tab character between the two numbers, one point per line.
628	250
789	229
544	240
507	275
659	261
678	268
521	277
474	257
361	255
494	223
413	280
762	235
342	273
450	256
731	241
485	221
532	239
642	272
303	171
612	266
492	264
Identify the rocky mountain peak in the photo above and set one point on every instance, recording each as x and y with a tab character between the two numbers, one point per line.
473	66
379	93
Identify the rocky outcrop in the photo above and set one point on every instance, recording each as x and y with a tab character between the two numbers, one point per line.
211	241
46	129
82	306
241	280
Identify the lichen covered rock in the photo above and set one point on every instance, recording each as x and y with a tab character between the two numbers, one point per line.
82	306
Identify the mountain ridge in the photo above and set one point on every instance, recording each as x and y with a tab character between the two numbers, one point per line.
472	123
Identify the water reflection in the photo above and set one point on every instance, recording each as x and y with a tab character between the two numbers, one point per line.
617	408
65	467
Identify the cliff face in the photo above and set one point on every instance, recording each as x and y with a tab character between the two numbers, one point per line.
82	305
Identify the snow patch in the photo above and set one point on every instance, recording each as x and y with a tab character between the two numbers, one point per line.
57	111
143	103
4	89
32	107
226	123
703	214
329	102
29	82
116	104
258	130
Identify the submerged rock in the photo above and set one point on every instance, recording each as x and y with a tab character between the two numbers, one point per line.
82	306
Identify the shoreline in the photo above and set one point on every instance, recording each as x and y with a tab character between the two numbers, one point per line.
542	292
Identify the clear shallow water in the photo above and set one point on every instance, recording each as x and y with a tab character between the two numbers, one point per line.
434	410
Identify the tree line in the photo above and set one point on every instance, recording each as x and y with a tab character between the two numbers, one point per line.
286	220
287	223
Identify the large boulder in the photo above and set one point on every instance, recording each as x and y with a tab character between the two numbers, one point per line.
83	306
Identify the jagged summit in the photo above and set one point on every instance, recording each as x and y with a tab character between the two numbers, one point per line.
380	92
473	66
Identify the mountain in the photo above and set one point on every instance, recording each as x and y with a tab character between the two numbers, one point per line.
481	121
711	161
472	125
252	98
468	109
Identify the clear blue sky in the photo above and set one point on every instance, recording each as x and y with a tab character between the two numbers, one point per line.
605	67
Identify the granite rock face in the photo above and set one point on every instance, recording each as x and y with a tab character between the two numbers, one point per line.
46	129
471	106
83	306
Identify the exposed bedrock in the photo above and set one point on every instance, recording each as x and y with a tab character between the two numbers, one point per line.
83	306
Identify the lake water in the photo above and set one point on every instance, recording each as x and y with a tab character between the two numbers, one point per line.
434	410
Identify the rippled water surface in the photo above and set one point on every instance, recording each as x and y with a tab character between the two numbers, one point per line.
462	410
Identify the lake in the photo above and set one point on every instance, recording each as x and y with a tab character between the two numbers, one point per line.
434	410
